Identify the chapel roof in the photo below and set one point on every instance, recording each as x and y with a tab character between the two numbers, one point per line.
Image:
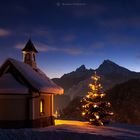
29	47
8	84
35	77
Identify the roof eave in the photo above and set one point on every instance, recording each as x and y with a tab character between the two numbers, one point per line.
52	91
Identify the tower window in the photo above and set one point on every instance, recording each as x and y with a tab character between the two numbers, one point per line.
41	107
27	57
34	57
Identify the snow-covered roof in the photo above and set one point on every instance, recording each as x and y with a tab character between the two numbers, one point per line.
9	85
36	78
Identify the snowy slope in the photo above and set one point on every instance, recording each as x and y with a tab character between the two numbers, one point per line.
72	130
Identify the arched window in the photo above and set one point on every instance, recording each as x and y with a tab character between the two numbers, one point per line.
33	56
27	57
41	107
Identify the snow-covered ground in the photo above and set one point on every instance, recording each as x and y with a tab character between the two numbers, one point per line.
73	130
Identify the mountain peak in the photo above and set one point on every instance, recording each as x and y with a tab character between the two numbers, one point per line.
108	67
81	68
107	61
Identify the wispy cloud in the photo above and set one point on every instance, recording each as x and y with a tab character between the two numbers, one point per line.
98	45
123	39
69	38
40	47
131	21
41	32
138	56
71	50
4	32
19	45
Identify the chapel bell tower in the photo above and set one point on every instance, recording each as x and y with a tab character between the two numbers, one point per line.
29	54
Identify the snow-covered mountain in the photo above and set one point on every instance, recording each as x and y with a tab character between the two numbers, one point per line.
108	67
73	78
76	83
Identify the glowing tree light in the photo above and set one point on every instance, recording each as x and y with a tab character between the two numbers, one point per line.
95	109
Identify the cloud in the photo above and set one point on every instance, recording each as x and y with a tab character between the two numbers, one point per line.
40	47
69	38
74	50
123	39
138	56
19	46
32	31
41	32
97	45
121	22
45	48
71	50
4	32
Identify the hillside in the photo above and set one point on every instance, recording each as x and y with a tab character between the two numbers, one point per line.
124	98
73	78
125	101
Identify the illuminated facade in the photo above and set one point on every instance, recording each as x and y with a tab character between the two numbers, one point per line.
26	93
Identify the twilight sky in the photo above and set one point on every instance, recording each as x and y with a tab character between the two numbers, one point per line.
69	33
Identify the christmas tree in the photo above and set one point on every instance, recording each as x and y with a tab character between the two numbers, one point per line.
95	109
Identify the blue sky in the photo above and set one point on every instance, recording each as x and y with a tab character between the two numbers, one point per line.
69	33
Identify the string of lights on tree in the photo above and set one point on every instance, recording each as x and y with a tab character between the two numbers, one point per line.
95	109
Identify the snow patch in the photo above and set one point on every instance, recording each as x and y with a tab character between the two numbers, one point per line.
72	130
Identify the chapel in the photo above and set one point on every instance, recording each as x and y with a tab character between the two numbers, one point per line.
26	93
